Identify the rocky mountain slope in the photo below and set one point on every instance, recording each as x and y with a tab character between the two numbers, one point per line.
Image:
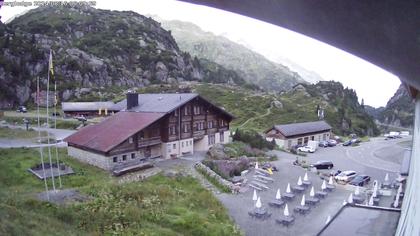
259	110
93	49
253	67
399	111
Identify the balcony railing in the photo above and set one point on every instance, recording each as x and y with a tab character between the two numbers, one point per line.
149	142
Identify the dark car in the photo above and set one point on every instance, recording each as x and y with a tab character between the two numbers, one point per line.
332	143
360	180
347	143
323	165
323	144
22	109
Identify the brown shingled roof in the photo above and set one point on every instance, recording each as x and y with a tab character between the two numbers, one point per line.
114	130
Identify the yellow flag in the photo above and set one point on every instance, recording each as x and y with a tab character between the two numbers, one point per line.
50	67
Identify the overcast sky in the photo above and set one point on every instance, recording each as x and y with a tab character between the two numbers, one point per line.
270	40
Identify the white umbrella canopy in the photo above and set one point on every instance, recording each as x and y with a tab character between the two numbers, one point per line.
312	192
299	181
328	219
256	165
387	177
258	204
324	185
305	178
330	182
286	211
375	191
357	191
288	188
371	201
344	202
302	203
396	201
254	196
399	189
350	199
278	195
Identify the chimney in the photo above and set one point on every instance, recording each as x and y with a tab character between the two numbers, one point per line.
132	100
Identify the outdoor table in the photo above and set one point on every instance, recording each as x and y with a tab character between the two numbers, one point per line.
298	189
260	213
302	209
312	200
288	196
358	199
276	203
330	187
321	194
306	183
285	220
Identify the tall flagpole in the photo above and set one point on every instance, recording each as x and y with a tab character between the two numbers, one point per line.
55	127
48	123
39	137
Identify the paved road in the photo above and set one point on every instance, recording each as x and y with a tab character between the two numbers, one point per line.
374	158
59	134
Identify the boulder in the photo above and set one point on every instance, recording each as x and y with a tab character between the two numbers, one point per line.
217	152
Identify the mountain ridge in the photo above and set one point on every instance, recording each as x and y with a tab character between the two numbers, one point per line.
250	65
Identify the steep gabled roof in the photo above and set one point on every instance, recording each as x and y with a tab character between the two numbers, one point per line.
159	102
164	102
112	131
302	128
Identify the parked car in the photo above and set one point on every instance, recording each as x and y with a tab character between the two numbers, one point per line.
323	144
346	176
355	140
306	149
347	143
22	109
332	143
322	165
268	165
81	118
360	180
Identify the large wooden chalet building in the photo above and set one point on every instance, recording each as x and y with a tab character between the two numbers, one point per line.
151	126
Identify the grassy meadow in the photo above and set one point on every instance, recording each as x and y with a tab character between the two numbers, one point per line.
157	206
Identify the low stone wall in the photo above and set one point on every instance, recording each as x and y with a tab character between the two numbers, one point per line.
90	158
218	178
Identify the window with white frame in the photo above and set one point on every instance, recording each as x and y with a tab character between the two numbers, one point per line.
197	110
209	124
130	140
212	139
222	137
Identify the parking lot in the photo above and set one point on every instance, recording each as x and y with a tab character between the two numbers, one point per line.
374	158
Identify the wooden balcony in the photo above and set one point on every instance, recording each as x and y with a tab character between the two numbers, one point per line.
185	135
199	134
212	131
149	142
222	129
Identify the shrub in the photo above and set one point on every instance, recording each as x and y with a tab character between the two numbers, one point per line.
254	139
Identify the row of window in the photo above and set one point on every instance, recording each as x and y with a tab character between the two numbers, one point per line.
187	143
212	138
186	127
305	140
123	158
